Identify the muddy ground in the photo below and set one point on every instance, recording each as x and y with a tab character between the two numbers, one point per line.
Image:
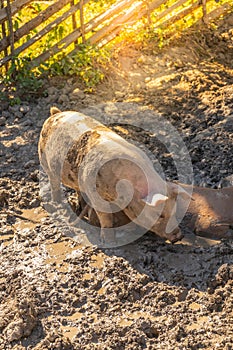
58	294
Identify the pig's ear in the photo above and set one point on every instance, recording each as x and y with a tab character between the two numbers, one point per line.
184	194
178	190
54	110
155	200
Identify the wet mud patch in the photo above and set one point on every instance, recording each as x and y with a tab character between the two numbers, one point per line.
145	295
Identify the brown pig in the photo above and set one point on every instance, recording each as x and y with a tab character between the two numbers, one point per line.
210	211
111	174
209	214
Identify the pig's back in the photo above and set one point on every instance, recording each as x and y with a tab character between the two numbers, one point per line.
69	139
61	130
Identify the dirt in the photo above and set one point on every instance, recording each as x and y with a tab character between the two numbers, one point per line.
58	294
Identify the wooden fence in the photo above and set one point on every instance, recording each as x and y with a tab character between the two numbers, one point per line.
100	29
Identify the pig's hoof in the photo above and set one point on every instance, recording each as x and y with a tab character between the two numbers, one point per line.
175	237
51	207
107	236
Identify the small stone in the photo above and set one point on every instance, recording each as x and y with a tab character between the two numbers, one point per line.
15	146
227	181
142	59
34	203
3	197
110	108
228	125
2	121
29	164
6	114
27	122
12	159
51	99
24	109
18	114
66	90
229	21
35	176
90	99
77	94
40	123
13	109
147	79
63	99
52	90
119	94
182	295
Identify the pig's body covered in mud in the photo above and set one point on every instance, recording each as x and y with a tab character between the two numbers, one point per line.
111	174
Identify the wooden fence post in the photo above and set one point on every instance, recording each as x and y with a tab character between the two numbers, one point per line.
3	25
148	24
82	26
74	22
204	12
11	30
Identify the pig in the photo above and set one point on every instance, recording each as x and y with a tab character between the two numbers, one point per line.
109	173
210	211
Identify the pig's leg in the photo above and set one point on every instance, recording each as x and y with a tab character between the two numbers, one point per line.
93	218
87	210
55	185
82	202
107	233
53	177
84	212
51	198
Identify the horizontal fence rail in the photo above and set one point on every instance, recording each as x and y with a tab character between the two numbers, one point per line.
15	39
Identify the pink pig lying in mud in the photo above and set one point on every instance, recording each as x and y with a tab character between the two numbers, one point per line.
111	174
